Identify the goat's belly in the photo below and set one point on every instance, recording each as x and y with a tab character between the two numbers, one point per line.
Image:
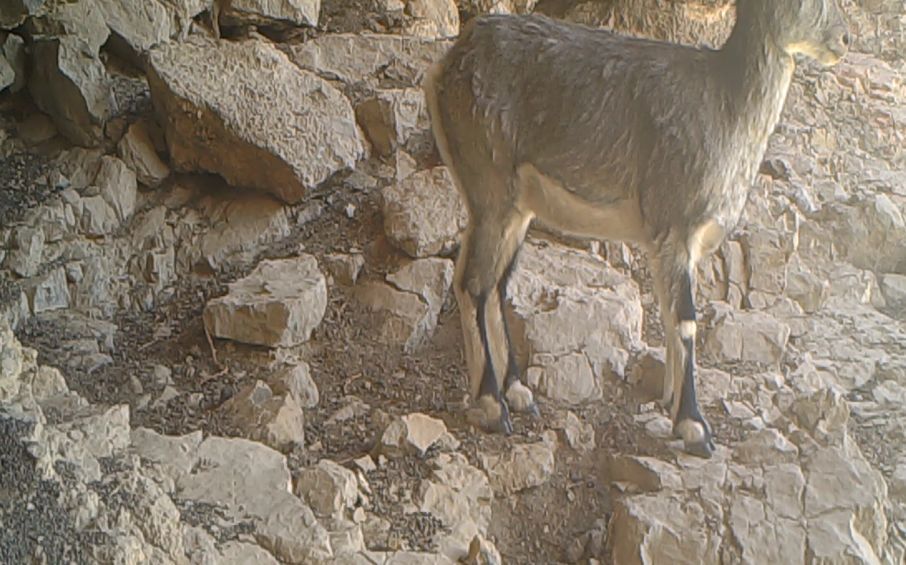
559	208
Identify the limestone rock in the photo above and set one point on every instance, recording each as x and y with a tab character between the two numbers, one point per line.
579	319
240	223
767	255
274	420
844	503
138	24
28	246
767	446
93	433
252	482
7	73
647	374
644	473
117	185
898	480
237	553
429	278
579	435
14	12
460	496
889	393
894	288
175	455
48	291
83	20
524	466
747	336
655	528
137	150
98	217
432	19
482	552
251	116
299	12
352	58
345	268
295	381
763	536
823	412
47	383
500	6
80	166
13	51
347	538
423	213
413	433
72	87
57	218
568	378
278	305
404	319
692	21
255	471
328	488
809	290
868	234
391	117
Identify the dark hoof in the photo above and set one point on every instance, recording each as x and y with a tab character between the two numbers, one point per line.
704	449
520	398
492	415
696	436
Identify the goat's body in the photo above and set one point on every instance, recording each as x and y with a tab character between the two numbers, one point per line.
632	123
599	135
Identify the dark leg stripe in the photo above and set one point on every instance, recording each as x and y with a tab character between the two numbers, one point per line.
685	307
488	380
512	367
688	405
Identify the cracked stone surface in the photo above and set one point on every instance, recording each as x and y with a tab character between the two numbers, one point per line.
285	175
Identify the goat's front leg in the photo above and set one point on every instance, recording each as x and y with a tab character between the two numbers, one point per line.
486	259
675	294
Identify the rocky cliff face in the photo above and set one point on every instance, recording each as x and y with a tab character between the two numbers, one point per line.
227	333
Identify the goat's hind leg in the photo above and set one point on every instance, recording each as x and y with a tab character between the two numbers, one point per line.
486	258
678	309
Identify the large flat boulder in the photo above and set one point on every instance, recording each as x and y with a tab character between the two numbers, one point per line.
251	482
278	305
251	116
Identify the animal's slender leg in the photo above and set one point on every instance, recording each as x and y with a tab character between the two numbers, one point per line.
488	249
468	319
518	395
672	364
678	308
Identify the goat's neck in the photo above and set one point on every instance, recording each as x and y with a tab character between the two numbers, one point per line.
756	73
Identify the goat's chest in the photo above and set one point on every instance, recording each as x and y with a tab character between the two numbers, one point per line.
728	180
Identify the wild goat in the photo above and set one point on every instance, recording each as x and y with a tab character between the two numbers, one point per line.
605	136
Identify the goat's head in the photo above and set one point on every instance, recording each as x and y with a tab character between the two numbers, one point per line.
814	28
